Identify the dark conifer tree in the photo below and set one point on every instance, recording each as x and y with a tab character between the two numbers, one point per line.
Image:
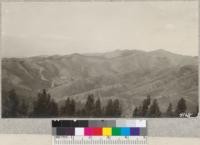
98	110
65	109
144	107
83	112
148	100
72	108
41	104
140	111
116	108
53	109
154	110
135	112
15	106
44	106
181	107
197	111
13	103
89	106
169	111
109	108
195	114
23	109
103	112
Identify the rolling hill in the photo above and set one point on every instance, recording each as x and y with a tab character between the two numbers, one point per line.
129	75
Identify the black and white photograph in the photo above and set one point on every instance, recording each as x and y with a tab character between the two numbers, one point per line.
99	60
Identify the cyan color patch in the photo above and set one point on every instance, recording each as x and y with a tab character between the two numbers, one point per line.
125	131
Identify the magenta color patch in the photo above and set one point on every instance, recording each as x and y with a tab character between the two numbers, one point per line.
88	131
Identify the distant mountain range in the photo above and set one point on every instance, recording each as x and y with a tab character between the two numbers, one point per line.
129	75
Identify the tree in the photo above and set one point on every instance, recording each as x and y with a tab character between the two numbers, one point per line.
23	108
144	107
181	107
40	107
140	111
72	108
98	110
109	108
154	110
148	100
169	111
64	111
14	103
89	106
195	114
69	108
116	108
14	106
53	109
83	112
135	112
44	106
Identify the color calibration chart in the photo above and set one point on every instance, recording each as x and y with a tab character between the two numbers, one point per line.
99	132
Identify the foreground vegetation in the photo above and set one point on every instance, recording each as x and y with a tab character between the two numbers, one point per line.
45	106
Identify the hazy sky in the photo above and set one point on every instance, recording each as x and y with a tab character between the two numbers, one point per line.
30	29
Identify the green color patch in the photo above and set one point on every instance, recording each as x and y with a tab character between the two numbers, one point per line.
116	131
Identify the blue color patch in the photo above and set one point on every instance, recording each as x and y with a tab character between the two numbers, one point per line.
135	131
125	131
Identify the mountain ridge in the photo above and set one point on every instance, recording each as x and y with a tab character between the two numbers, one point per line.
129	75
94	54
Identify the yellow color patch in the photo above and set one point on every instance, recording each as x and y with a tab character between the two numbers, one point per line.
107	131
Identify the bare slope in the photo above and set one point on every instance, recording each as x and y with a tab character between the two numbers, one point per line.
128	75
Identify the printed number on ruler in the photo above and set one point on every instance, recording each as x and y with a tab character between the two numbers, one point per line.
114	140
